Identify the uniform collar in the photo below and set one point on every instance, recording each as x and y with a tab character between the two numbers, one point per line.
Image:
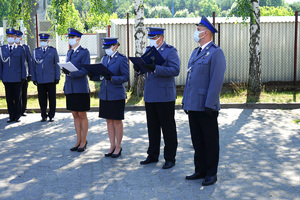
203	46
13	45
76	48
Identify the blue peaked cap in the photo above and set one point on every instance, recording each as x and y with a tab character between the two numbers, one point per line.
44	36
109	41
19	33
204	22
11	31
73	32
153	31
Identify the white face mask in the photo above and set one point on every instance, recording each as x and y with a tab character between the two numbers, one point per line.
153	43
196	36
44	43
109	52
17	40
10	40
72	41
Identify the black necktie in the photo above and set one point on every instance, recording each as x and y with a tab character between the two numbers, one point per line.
199	51
72	51
44	50
10	48
109	58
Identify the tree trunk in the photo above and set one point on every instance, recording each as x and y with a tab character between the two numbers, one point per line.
31	36
254	82
139	36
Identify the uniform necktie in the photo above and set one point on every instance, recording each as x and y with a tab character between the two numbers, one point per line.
44	50
199	51
10	48
72	51
109	58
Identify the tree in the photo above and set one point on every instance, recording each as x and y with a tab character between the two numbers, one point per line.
140	37
182	13
207	7
276	11
275	3
225	4
262	2
295	6
160	12
246	9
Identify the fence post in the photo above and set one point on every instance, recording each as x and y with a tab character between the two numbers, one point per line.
108	30
214	16
219	35
36	31
128	48
295	55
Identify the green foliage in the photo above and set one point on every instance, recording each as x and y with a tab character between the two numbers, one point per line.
275	3
182	13
295	6
160	12
225	4
207	7
276	11
242	8
262	3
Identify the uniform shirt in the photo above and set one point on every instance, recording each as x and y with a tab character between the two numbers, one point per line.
44	65
114	89
12	64
160	86
204	79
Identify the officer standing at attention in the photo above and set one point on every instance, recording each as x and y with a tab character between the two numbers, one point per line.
205	74
159	97
77	88
28	63
12	74
45	75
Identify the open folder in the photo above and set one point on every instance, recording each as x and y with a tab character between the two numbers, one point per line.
146	59
69	66
97	69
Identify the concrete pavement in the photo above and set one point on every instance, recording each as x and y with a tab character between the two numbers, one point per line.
259	159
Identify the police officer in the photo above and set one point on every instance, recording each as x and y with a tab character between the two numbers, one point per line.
76	88
205	74
159	97
12	74
28	63
45	75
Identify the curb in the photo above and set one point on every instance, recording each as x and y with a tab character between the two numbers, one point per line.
178	107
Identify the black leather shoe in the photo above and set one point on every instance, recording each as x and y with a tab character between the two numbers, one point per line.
109	154
149	160
17	120
168	165
209	180
43	119
82	149
24	115
116	155
10	120
195	176
51	119
74	148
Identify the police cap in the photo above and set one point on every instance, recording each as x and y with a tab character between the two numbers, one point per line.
204	22
154	31
11	31
44	36
73	32
109	41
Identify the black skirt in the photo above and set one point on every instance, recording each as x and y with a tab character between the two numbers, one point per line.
112	109
78	102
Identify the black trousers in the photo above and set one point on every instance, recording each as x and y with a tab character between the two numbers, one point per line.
161	116
13	99
205	138
47	91
24	96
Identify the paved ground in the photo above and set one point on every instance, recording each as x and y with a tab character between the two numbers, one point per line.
260	159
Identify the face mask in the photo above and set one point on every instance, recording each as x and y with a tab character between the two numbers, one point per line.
72	41
17	40
196	36
43	43
153	43
10	40
109	51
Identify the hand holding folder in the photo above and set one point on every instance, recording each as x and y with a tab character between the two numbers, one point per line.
97	69
68	66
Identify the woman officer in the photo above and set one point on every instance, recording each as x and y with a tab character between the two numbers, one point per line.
76	88
112	94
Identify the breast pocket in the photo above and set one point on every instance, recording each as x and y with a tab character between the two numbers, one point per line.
202	66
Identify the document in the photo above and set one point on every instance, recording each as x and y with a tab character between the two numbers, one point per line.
69	66
97	69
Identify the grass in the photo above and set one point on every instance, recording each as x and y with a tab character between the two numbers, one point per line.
237	95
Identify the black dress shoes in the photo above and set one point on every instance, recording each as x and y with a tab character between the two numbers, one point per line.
44	119
116	155
82	149
10	120
109	154
24	115
149	160
195	176
51	119
168	165
74	148
17	120
209	180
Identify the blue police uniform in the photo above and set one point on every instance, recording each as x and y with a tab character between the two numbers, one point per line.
77	82
12	74
204	81
28	63
45	74
159	97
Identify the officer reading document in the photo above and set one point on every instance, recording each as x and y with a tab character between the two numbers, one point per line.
13	74
159	97
201	102
45	75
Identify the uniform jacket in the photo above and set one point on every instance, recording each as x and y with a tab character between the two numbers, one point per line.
44	65
28	59
12	64
114	89
77	82
160	85
204	79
